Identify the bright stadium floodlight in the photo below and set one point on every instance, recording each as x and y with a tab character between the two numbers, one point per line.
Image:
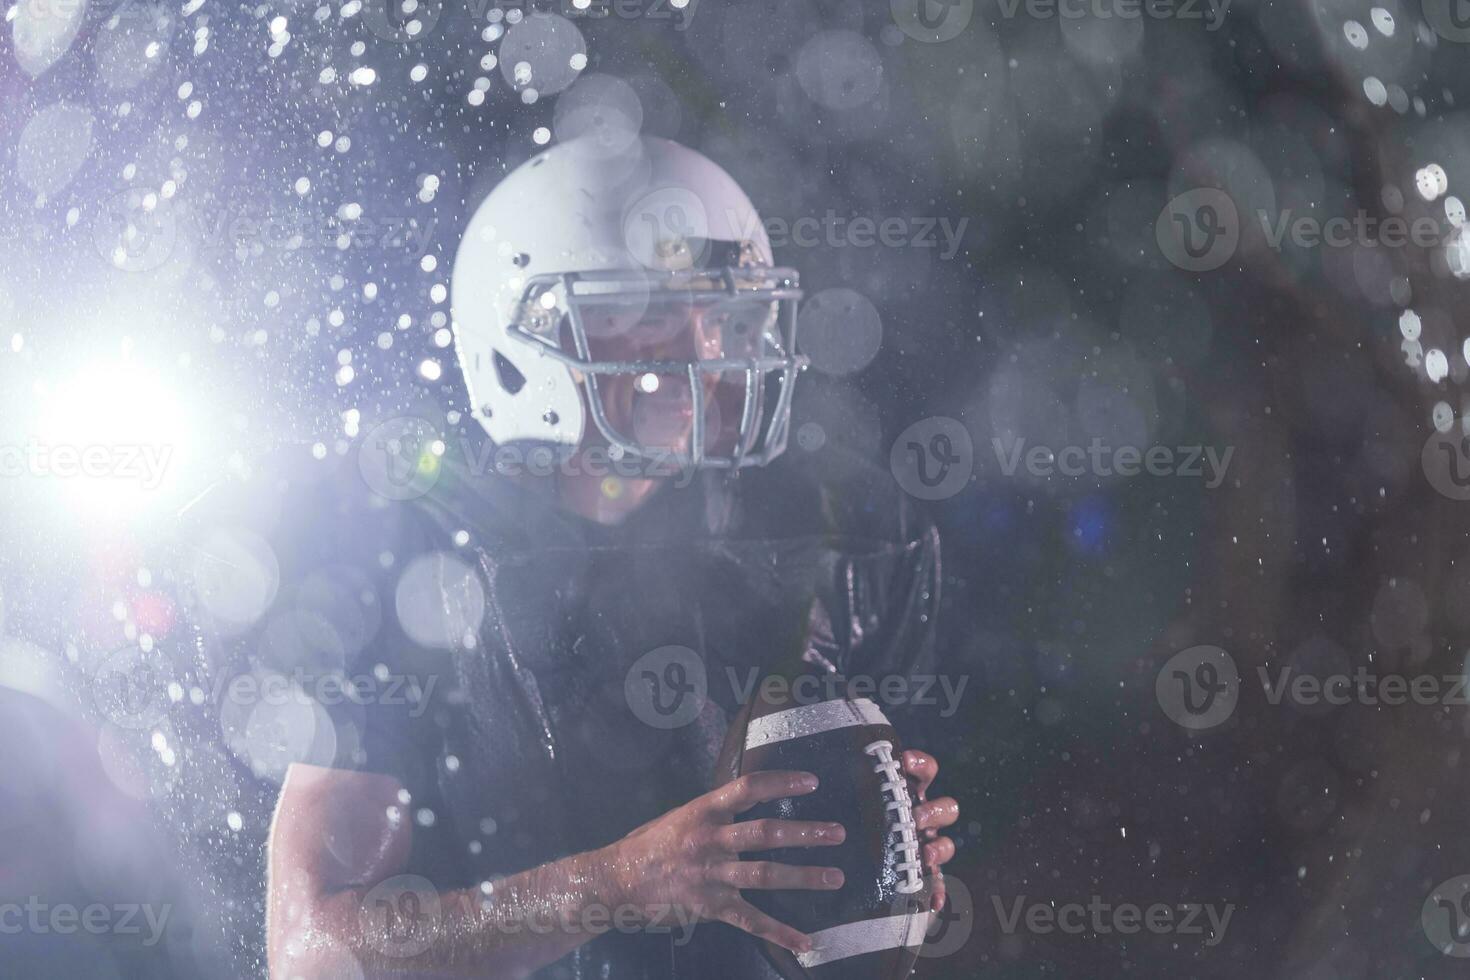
111	438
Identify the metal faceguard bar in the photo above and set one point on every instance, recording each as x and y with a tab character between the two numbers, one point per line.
761	284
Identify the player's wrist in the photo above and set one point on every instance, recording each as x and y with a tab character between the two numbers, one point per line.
603	884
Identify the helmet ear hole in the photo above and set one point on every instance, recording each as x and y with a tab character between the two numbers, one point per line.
505	372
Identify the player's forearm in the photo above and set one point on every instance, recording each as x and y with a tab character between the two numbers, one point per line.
519	925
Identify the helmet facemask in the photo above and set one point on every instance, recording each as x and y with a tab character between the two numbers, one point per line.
692	368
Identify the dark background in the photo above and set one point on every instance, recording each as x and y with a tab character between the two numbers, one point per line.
1059	319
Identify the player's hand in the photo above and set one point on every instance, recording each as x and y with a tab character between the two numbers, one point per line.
690	857
931	815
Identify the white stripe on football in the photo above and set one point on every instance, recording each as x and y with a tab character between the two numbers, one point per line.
811	719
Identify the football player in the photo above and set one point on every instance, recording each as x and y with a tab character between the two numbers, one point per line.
601	564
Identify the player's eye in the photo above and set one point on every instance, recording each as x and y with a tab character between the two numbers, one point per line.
739	325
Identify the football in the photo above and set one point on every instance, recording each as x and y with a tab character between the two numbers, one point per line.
873	927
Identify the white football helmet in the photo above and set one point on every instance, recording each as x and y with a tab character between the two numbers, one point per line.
632	272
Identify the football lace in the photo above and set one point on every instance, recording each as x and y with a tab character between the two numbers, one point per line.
896	792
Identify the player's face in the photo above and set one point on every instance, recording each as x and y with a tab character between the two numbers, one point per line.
657	409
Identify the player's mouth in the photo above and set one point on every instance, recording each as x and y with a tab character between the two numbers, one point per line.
662	411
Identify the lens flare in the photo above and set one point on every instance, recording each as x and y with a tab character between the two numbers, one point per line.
112	437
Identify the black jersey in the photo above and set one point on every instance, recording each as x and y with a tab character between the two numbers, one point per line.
519	638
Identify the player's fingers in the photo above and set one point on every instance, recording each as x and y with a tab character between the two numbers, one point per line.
771	875
942	812
940	893
770	835
922	768
747	918
937	852
741	794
